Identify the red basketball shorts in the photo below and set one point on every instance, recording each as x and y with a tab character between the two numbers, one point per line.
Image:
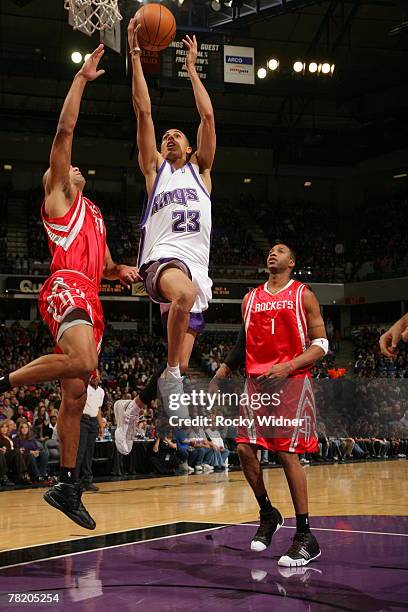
279	416
66	291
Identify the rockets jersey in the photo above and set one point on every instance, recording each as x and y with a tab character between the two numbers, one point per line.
77	241
276	327
177	218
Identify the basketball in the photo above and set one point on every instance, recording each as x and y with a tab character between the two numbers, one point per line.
158	27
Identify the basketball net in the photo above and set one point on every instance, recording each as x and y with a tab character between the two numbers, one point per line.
91	15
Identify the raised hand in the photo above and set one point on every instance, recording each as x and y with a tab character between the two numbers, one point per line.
390	339
192	50
133	41
89	69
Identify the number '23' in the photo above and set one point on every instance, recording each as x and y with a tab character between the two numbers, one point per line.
183	222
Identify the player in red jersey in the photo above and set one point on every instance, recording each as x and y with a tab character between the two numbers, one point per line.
285	335
69	301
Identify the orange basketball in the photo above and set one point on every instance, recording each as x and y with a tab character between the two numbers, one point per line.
158	27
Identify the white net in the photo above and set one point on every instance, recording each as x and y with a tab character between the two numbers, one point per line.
91	15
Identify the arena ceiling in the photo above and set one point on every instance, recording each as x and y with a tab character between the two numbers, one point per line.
360	112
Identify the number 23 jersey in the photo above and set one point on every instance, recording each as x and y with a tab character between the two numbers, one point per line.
176	221
276	327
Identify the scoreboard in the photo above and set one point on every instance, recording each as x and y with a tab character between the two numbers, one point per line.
209	64
168	65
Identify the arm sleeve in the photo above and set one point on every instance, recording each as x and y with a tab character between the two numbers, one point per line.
236	356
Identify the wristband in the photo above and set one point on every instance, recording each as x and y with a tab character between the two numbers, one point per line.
136	50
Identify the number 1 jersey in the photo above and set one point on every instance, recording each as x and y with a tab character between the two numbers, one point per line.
276	327
176	221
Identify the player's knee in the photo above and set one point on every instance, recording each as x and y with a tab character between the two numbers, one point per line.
85	365
244	451
75	404
288	459
187	297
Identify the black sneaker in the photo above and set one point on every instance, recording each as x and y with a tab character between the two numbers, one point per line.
89	486
304	549
269	523
67	498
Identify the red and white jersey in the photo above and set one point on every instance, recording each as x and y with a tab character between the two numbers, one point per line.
77	240
276	328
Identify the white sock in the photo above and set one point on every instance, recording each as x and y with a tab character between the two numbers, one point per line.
174	371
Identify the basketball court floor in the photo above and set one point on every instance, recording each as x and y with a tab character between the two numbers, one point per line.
182	543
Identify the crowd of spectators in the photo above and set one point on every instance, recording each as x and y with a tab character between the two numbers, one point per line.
365	249
363	415
370	363
381	240
231	243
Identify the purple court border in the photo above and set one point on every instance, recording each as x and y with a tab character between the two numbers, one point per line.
363	566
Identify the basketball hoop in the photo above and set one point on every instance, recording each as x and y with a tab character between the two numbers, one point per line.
91	15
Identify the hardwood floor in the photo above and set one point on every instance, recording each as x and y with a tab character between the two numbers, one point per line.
377	488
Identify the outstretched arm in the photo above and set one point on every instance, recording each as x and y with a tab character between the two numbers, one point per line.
146	139
206	139
58	195
113	271
390	339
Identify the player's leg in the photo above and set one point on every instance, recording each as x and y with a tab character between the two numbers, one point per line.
305	547
127	412
66	496
270	518
175	286
72	363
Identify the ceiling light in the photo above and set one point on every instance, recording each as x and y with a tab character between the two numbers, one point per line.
7	167
247	180
273	64
76	57
313	67
326	68
87	56
91	172
261	73
307	184
396	176
298	66
216	5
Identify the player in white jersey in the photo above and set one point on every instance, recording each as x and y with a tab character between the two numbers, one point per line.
176	228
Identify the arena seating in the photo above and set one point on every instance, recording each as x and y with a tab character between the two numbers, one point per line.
353	430
234	253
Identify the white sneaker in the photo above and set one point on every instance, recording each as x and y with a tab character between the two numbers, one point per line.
198	469
207	468
169	392
126	422
190	469
183	468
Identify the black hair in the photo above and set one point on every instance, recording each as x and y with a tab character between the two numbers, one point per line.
289	246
